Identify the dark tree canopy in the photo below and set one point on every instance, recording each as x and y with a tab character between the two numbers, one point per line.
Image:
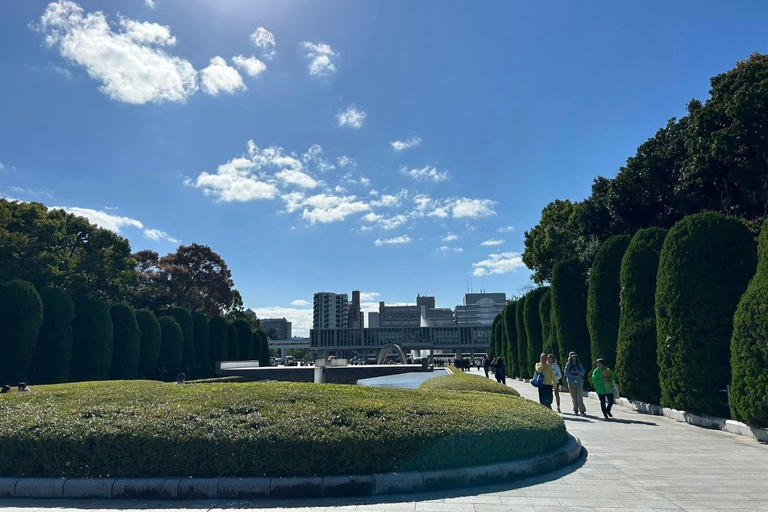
184	319
263	347
201	334
494	347
244	339
150	343
21	315
705	265
171	347
126	340
545	317
233	344
568	293
91	339
53	351
525	370
217	341
509	341
533	327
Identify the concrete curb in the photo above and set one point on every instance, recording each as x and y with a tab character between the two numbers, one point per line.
710	422
299	487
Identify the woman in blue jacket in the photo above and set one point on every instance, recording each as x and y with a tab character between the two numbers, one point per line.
574	372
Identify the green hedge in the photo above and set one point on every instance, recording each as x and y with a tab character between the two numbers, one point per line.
533	327
495	339
21	315
201	334
126	339
184	318
149	353
244	339
53	351
91	340
233	345
171	348
461	381
705	265
525	371
509	341
569	306
217	341
749	350
264	346
603	298
636	367
548	344
152	429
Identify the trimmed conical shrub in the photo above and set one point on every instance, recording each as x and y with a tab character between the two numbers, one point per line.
509	341
636	367
201	335
545	317
184	318
171	347
533	328
126	339
495	337
233	345
525	370
217	341
21	315
149	353
568	293
263	347
91	340
53	351
603	299
244	339
705	265
749	348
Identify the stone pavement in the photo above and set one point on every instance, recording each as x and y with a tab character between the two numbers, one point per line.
635	462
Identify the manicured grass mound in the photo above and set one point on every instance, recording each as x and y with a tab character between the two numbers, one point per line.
153	429
460	381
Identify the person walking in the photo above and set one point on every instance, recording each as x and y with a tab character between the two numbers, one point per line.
558	376
501	371
603	379
545	390
486	365
574	373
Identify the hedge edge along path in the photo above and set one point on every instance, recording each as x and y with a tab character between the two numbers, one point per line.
299	487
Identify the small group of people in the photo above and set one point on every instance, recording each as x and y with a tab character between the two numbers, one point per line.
22	387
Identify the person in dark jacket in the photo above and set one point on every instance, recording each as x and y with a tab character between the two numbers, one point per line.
486	365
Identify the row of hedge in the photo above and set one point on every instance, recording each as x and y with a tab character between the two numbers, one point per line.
51	337
681	316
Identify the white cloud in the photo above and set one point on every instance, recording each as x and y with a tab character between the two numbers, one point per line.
506	229
445	248
2	166
500	263
450	237
383	222
300	302
298	178
235	181
369	297
102	219
129	68
393	241
472	208
457	208
315	154
427	173
265	41
251	66
492	243
301	319
325	208
150	3
321	58
351	117
221	77
365	181
411	142
345	161
157	235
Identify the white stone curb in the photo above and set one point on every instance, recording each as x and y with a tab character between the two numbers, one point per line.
710	422
299	487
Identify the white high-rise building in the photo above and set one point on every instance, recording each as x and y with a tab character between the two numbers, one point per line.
480	308
330	310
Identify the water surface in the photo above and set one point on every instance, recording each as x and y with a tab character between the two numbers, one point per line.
404	380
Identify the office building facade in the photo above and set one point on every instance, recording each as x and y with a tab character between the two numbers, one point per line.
330	310
280	326
480	308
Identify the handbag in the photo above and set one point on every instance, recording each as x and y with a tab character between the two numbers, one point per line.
537	380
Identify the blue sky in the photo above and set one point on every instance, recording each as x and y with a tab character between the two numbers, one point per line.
390	147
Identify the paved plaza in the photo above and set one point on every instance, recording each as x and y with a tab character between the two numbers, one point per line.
634	462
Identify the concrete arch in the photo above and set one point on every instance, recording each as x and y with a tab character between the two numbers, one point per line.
385	350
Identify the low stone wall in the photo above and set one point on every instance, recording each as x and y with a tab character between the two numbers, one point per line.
282	488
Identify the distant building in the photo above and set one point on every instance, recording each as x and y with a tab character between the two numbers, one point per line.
373	320
281	326
423	314
330	311
480	308
356	318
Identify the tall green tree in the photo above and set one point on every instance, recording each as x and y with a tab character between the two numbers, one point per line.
171	348
201	335
509	345
244	339
496	336
184	319
545	317
126	339
263	348
568	293
217	344
149	353
53	352
705	265
533	327
91	339
233	344
525	370
21	315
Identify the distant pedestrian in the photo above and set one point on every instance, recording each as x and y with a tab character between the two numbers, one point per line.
486	365
545	390
558	376
574	373
501	371
5	389
23	388
181	379
604	379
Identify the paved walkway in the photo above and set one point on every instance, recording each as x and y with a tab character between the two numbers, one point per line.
635	462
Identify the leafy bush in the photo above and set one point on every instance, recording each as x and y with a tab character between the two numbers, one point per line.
636	366
201	335
217	342
545	317
21	315
569	305
149	353
705	265
91	340
603	298
533	327
126	339
244	339
233	346
525	370
184	319
171	347
263	346
152	429
497	333
53	351
749	349
509	341
461	381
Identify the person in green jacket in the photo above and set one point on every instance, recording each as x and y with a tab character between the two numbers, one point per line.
603	379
